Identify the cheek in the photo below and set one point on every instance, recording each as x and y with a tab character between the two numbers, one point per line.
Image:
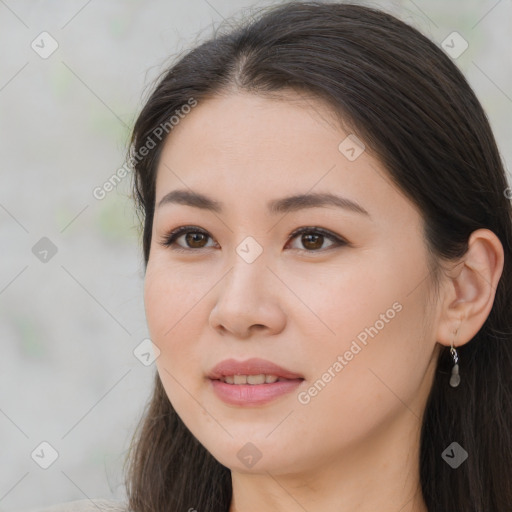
170	298
373	320
158	304
368	376
175	314
171	313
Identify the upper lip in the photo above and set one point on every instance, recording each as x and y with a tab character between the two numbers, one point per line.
254	366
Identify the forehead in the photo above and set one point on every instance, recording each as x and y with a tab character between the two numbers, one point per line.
249	135
241	147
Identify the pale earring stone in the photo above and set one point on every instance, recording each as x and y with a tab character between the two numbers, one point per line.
455	378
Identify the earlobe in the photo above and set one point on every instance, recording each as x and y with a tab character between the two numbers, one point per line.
472	289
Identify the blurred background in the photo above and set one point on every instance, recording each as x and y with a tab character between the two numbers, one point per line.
73	75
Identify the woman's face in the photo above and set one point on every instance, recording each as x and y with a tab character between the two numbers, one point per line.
343	306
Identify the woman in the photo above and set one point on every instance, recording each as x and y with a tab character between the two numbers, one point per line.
385	306
327	243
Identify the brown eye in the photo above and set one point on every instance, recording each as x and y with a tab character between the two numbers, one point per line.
194	238
313	239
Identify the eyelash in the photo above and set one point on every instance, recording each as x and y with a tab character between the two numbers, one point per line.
169	240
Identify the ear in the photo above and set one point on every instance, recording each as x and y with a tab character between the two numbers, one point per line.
470	289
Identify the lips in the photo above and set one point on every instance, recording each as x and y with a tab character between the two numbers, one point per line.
255	366
254	382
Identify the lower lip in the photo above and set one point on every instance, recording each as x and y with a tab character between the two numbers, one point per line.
253	394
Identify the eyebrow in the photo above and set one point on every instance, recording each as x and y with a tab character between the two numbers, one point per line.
275	206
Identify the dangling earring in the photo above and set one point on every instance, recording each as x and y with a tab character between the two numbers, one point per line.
455	378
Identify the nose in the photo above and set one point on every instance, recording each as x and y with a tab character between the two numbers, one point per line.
248	301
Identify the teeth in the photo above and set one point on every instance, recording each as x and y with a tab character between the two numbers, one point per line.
251	379
240	379
256	379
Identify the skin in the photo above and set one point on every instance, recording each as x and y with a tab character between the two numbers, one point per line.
354	446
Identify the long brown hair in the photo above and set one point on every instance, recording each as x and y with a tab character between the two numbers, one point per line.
406	99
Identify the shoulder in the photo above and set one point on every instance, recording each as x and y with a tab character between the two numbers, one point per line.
93	505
